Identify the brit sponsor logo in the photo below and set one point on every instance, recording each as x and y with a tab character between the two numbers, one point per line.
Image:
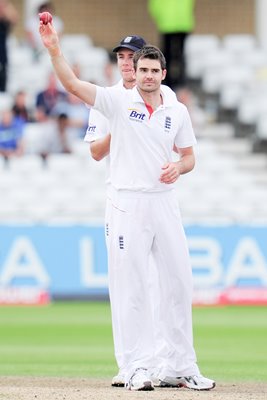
136	115
91	129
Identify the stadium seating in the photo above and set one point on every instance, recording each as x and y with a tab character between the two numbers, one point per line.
6	100
73	44
239	44
227	185
92	64
260	136
229	181
197	48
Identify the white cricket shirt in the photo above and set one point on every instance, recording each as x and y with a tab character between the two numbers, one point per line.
99	127
98	124
141	144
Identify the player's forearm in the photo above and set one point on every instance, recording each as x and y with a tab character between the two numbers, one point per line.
62	69
186	163
84	90
100	148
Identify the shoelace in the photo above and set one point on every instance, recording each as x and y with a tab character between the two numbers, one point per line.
191	379
137	369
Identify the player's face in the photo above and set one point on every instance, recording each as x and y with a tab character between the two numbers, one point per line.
149	74
125	64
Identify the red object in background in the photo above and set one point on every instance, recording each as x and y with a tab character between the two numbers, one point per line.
45	17
24	295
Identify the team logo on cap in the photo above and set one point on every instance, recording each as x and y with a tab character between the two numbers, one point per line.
128	39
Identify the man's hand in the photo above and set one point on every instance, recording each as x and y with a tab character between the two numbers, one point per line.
50	38
171	172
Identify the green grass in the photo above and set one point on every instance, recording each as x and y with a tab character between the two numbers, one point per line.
62	339
75	339
231	342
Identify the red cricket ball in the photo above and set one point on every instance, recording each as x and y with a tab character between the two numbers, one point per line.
45	17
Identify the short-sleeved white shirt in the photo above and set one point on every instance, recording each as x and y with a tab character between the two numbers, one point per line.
98	124
99	127
141	144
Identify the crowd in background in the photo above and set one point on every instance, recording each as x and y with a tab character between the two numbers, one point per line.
63	116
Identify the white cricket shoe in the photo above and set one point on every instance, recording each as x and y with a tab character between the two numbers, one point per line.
194	382
118	380
140	380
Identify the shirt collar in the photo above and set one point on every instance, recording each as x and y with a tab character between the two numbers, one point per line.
138	99
136	96
120	84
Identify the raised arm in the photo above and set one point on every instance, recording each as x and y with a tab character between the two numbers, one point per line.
84	90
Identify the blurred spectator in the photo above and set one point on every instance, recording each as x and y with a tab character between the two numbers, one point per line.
77	114
51	111
198	116
175	21
112	74
75	111
11	135
63	144
48	99
8	17
32	28
54	138
20	108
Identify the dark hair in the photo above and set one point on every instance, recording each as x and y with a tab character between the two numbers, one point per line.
46	6
151	52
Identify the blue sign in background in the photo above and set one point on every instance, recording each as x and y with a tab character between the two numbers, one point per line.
241	248
72	261
59	253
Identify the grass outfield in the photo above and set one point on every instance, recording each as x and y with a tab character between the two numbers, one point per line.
75	339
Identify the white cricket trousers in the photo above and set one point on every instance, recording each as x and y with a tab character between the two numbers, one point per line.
151	321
